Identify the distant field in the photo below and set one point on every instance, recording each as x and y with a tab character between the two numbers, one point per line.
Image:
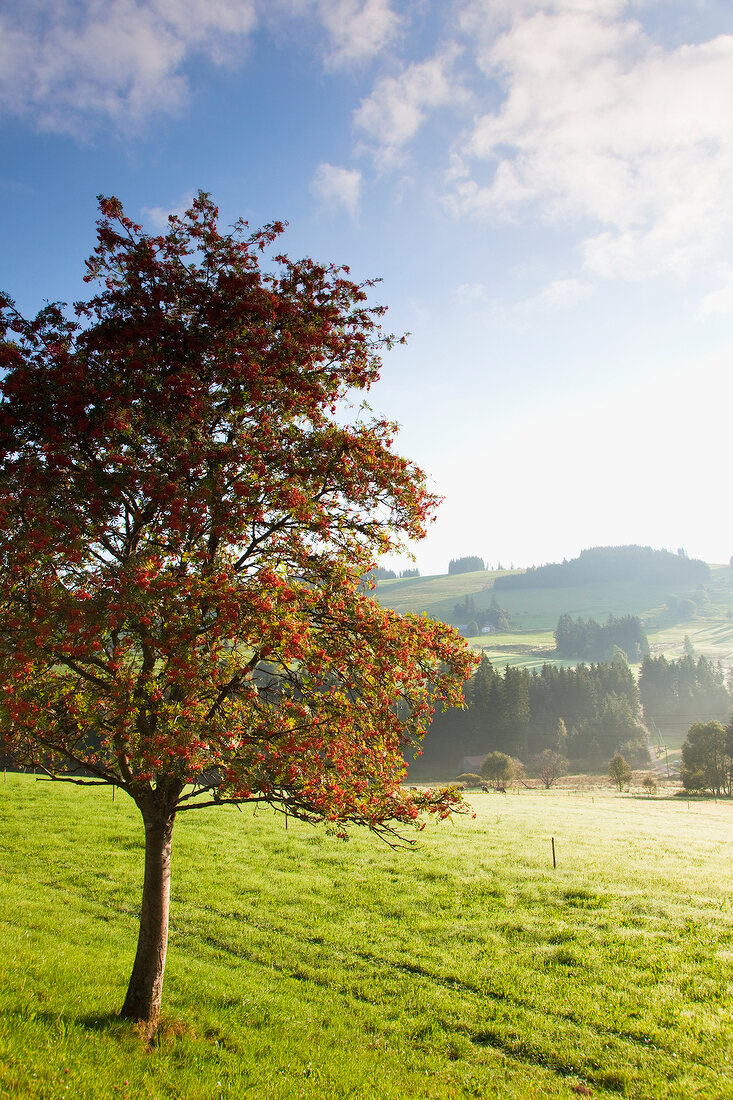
530	650
423	593
709	636
303	967
534	613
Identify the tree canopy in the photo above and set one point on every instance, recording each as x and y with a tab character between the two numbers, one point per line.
185	519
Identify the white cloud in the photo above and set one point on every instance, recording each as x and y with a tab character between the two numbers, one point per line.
338	187
601	126
399	105
489	16
68	65
65	64
566	293
358	29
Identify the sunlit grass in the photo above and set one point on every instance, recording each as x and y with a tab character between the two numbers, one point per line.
709	637
299	966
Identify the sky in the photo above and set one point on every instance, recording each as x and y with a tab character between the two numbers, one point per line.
544	187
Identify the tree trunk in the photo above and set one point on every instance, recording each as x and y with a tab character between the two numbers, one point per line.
145	991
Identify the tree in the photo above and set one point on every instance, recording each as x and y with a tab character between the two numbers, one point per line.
549	766
560	738
185	522
706	763
498	768
649	784
619	771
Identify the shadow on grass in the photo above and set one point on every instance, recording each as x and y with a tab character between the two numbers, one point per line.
105	1021
109	1022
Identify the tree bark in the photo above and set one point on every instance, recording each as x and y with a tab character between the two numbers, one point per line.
145	991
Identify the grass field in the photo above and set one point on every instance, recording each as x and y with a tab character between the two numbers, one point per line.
709	637
303	967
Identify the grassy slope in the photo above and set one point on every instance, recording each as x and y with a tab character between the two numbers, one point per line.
301	967
534	613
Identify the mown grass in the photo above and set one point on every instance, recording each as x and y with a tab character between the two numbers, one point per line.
299	966
709	636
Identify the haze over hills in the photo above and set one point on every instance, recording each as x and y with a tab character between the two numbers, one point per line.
675	596
604	564
627	645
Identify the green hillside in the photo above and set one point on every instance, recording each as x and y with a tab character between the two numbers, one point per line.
534	612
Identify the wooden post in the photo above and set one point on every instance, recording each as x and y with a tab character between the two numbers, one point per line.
113	792
554	864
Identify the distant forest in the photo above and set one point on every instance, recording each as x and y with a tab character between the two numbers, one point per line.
586	713
603	564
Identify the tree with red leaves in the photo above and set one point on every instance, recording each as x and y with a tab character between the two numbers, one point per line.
185	521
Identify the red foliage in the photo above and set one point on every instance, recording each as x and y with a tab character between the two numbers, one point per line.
185	519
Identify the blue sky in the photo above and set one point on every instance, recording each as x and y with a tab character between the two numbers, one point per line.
544	186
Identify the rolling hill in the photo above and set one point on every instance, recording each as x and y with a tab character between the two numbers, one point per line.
700	611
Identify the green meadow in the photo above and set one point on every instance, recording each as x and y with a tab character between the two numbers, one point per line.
534	613
300	966
531	609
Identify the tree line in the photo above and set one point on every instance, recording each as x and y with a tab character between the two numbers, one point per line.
586	713
468	564
602	564
381	573
675	693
